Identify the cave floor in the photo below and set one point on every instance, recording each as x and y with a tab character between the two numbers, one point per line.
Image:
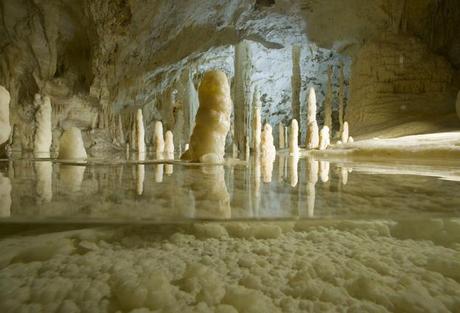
299	235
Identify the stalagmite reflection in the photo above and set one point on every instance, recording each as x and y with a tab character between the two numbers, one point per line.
324	171
44	172
159	168
71	177
281	167
210	192
267	169
293	162
312	179
344	174
5	196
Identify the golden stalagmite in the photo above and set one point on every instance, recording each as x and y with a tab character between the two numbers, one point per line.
312	125
212	120
5	128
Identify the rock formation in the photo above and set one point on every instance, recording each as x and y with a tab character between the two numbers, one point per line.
140	133
293	138
169	145
43	133
324	138
281	138
312	141
256	122
345	133
212	120
5	128
296	82
328	100
267	148
71	145
158	138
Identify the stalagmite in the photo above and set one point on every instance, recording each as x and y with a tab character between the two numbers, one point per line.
212	120
140	133
267	153
242	94
282	140
350	139
71	145
5	189
43	134
341	97
256	122
5	128
345	134
296	82
293	138
324	138
169	145
158	139
312	126
44	172
328	100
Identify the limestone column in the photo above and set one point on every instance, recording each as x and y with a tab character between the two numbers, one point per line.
242	95
296	82
43	133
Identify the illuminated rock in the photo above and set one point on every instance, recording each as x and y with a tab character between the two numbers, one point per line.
294	138
71	145
5	128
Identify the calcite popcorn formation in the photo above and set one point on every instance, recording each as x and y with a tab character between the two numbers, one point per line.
212	120
294	138
43	131
158	139
5	128
71	145
312	125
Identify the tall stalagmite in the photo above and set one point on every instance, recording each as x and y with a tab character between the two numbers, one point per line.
140	133
43	133
212	119
312	141
296	82
256	122
328	100
158	139
294	138
281	138
242	95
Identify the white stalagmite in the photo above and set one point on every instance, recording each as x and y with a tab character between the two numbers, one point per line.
312	125
169	145
282	139
293	138
256	122
140	133
158	138
212	120
350	139
267	148
324	138
43	132
71	145
5	127
345	133
267	153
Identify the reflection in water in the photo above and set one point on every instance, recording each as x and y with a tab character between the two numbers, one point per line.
71	177
140	175
159	168
44	188
324	171
5	196
293	162
344	175
312	178
210	191
267	169
281	167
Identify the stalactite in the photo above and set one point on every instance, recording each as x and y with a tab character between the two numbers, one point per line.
296	82
242	94
312	141
256	122
341	96
328	100
43	133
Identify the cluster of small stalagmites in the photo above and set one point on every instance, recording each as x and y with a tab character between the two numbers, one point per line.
345	135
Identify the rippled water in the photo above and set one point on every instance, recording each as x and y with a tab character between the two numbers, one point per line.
291	188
